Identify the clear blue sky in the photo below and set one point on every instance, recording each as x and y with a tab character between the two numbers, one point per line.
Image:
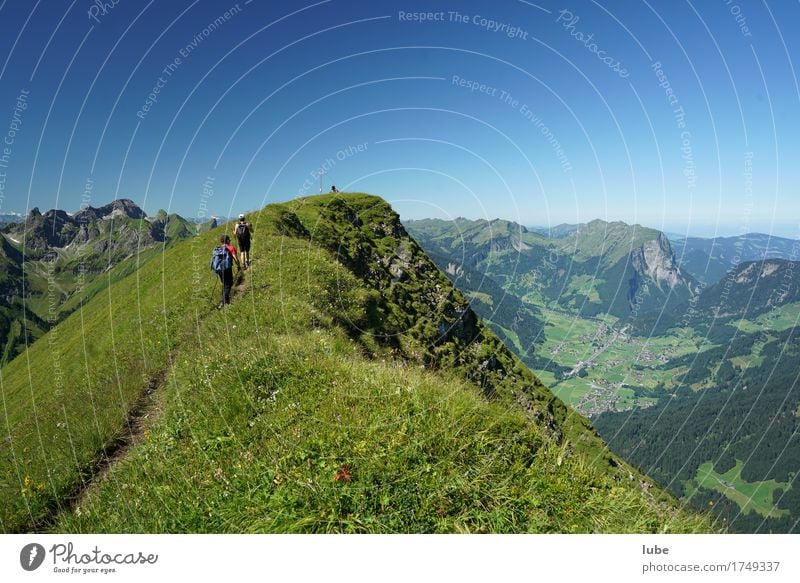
567	127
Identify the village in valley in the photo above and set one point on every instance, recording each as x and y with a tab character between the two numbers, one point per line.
607	368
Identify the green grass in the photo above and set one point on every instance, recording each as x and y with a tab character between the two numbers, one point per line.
572	390
778	319
481	296
513	337
615	239
67	397
750	496
263	404
584	285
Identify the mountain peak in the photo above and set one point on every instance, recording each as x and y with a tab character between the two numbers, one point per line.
656	259
508	225
122	207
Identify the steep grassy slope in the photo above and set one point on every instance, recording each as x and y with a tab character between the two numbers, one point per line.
53	262
348	388
68	395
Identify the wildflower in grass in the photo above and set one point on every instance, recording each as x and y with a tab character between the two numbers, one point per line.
343	474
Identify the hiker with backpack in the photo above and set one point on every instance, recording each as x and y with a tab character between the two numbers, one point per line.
222	259
244	231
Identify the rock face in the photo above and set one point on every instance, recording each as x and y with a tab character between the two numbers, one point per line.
72	248
120	227
751	272
656	260
653	262
57	229
121	208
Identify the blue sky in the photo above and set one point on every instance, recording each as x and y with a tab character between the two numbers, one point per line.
676	115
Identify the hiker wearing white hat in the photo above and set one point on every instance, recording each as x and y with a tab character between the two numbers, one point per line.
244	232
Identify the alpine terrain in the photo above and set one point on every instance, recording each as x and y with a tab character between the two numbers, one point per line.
688	374
349	387
54	261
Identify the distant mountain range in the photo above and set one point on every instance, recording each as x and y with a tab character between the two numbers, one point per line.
708	260
6	218
52	261
594	268
683	352
557	232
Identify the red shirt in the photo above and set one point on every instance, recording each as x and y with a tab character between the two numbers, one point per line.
231	250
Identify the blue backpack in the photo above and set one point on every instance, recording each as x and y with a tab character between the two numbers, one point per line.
220	259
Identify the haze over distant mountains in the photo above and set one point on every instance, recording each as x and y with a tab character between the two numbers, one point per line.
601	267
708	259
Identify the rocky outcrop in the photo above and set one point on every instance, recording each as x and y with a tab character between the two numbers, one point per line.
40	232
57	229
655	260
453	269
121	208
72	247
751	272
120	224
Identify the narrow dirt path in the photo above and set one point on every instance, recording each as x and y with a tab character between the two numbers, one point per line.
142	415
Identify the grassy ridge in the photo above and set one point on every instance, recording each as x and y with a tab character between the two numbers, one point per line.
278	415
68	396
67	261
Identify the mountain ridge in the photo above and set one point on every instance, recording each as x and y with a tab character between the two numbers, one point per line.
53	260
600	267
710	259
356	361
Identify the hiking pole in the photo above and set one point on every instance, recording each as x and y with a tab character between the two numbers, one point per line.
213	290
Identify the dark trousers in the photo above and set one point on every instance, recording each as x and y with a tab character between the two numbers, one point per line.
244	250
227	283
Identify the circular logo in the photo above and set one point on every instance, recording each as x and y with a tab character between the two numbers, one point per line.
31	556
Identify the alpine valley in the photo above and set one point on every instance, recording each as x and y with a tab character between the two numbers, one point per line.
683	352
56	261
428	370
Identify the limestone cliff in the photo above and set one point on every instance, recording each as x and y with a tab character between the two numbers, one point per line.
656	260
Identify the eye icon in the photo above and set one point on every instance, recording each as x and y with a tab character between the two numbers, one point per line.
31	556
